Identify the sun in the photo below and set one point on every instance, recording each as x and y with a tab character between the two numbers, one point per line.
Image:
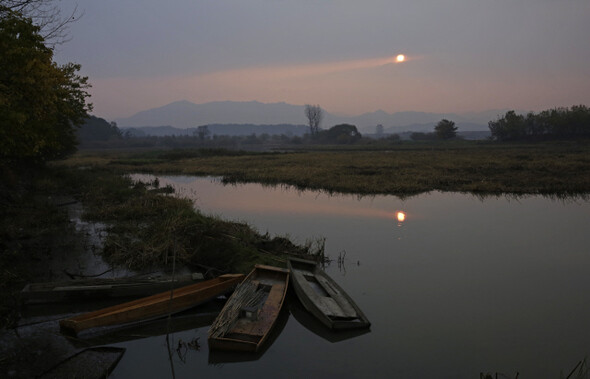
400	58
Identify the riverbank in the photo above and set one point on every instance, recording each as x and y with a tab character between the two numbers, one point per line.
403	169
144	229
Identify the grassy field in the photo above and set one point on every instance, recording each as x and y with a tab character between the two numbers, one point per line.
557	168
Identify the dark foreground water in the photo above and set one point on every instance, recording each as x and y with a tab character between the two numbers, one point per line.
462	285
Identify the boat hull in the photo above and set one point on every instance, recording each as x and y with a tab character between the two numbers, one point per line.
96	289
153	306
324	298
250	314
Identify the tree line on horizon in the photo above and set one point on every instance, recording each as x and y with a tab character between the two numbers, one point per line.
556	123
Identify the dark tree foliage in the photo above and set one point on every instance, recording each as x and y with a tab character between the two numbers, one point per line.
41	103
445	129
202	132
340	134
557	123
98	129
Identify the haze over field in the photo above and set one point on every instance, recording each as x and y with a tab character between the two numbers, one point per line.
184	114
461	56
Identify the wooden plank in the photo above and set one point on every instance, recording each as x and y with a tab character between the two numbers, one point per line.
343	303
247	334
332	305
266	316
326	304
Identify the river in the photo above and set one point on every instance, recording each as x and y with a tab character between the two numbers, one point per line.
453	284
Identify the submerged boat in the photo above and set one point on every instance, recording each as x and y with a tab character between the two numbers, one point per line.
95	289
325	299
153	306
251	312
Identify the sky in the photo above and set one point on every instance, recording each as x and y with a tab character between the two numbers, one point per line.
461	55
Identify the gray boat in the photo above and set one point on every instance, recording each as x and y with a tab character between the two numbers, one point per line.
325	299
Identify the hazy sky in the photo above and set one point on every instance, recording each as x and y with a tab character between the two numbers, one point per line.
462	55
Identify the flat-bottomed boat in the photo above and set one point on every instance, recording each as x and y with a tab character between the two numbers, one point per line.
153	306
322	297
251	312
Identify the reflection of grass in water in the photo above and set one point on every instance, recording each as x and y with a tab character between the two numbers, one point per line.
581	371
403	169
147	228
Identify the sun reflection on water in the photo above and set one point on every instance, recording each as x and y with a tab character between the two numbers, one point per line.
401	216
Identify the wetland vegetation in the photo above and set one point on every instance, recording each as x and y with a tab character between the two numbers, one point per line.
146	228
399	168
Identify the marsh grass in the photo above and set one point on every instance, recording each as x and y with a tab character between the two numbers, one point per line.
146	228
404	169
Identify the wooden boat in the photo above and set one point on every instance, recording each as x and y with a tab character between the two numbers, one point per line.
191	319
153	306
94	289
325	299
94	362
314	325
251	312
220	357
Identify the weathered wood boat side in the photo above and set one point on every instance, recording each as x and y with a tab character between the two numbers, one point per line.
153	306
249	315
93	289
324	298
314	325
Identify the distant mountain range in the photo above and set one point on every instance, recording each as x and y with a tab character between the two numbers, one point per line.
184	114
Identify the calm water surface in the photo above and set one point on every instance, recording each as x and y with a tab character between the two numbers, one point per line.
460	286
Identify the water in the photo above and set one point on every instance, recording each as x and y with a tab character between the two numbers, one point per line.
462	285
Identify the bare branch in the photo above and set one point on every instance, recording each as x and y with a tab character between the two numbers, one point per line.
314	116
48	16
